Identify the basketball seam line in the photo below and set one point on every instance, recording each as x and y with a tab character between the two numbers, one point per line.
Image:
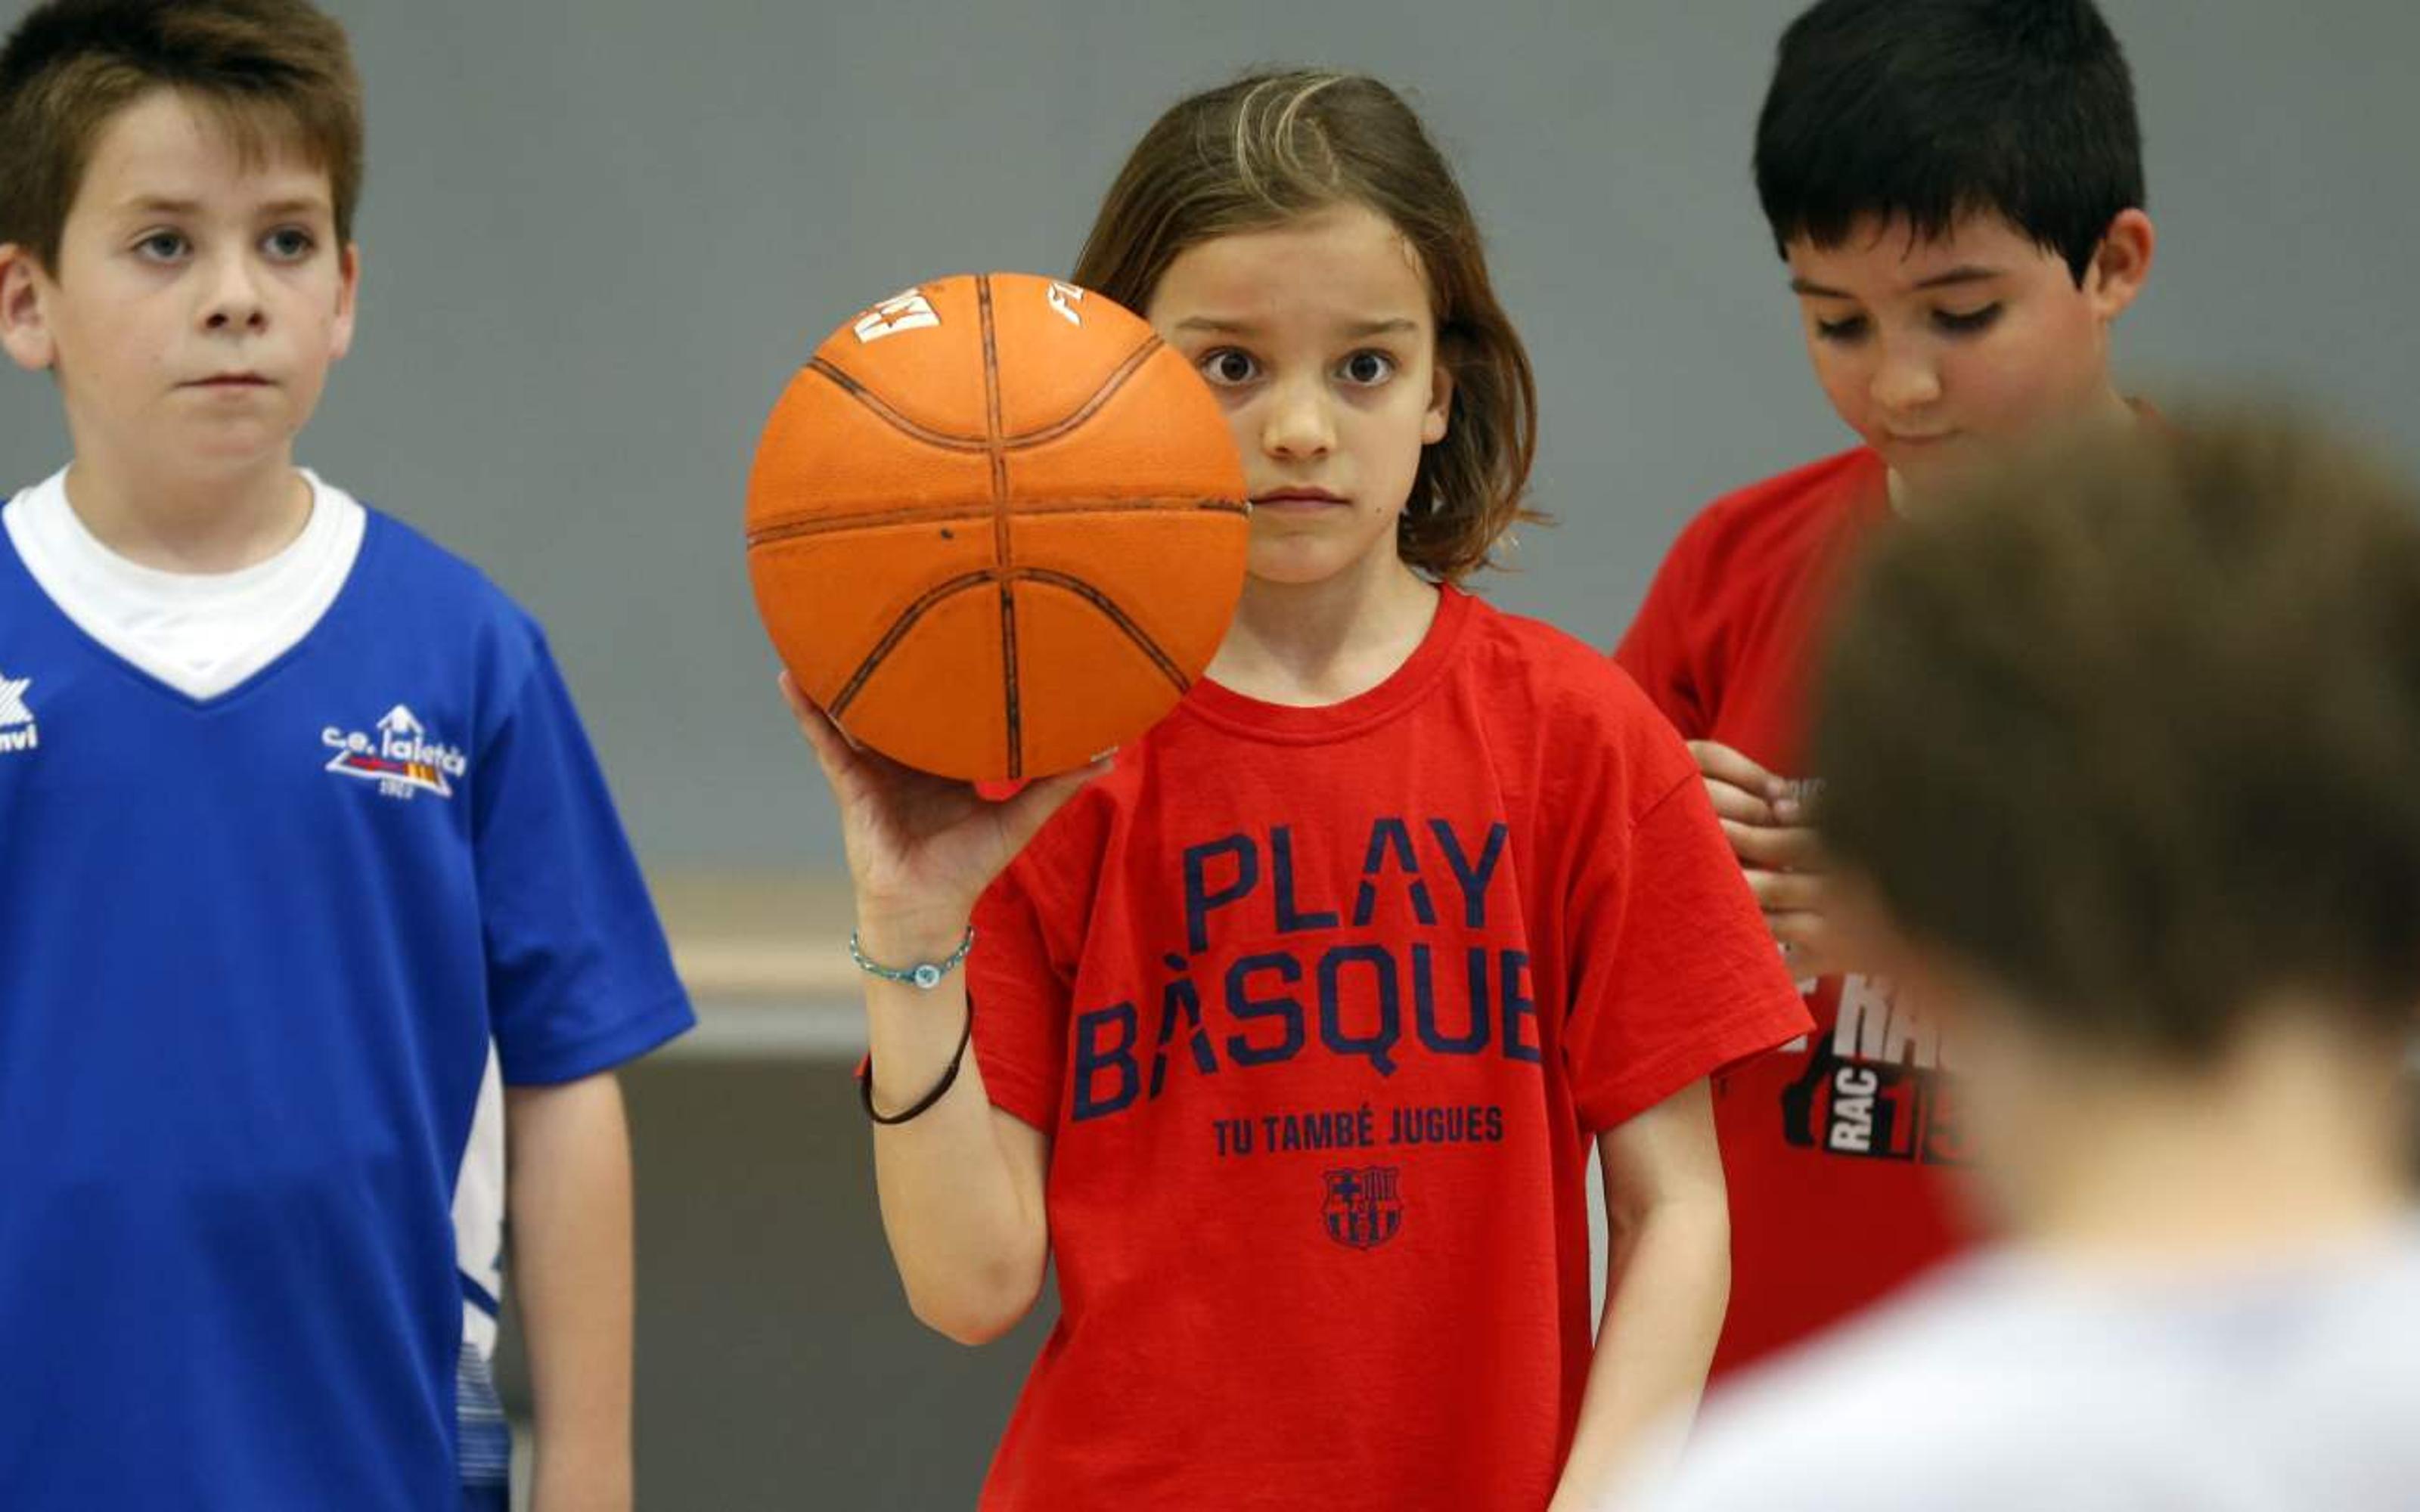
914	612
1004	544
945	513
1116	616
840	378
898	631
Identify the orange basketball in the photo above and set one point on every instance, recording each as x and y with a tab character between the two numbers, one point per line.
995	526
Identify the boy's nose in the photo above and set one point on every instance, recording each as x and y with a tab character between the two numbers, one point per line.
234	300
1906	381
1298	424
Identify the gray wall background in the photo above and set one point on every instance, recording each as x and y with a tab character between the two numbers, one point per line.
599	236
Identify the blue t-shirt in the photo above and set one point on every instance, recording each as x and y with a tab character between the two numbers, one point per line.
254	951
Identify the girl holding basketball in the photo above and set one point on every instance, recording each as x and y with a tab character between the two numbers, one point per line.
1291	1030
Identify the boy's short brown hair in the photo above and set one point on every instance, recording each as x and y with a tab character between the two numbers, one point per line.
2135	731
274	70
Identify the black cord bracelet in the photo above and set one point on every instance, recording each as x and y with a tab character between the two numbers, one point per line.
941	1088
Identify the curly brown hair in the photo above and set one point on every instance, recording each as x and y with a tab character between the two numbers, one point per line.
1272	146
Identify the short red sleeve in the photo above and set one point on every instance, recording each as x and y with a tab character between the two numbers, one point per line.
1654	650
1675	974
1021	974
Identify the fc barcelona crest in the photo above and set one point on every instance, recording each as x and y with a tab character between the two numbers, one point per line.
1364	1207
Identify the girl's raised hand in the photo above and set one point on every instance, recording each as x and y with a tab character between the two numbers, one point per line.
922	847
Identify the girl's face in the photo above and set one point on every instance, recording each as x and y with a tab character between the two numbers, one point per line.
1317	335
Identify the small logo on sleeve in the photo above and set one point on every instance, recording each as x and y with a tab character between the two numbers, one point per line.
1364	1207
400	757
18	731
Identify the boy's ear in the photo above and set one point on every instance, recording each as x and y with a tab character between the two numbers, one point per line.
25	331
348	291
1440	404
2121	263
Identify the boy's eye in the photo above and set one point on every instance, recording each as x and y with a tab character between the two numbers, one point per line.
1846	330
162	246
1967	322
1226	367
1367	368
289	243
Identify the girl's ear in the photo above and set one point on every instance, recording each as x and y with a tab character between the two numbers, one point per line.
1441	404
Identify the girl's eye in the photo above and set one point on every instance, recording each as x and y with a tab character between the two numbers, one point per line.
1367	369
161	246
1850	329
1967	322
1226	367
289	243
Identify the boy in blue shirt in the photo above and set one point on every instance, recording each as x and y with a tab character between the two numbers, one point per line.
314	883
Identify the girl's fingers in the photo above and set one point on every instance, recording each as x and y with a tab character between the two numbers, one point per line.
838	750
823	737
1022	816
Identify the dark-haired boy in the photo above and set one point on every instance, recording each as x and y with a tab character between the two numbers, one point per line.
1957	189
316	888
2122	744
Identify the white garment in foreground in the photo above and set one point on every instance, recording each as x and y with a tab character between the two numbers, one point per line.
2009	1383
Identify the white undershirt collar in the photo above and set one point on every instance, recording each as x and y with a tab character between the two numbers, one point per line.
203	633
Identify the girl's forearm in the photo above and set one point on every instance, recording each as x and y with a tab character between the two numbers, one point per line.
1669	1283
959	1184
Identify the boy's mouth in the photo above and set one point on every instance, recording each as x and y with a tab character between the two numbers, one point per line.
230	380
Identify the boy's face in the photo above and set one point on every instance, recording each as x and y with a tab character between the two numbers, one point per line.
1946	353
198	299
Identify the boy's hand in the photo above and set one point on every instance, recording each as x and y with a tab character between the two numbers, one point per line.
1766	824
923	848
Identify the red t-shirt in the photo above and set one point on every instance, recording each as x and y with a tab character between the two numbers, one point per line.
1319	1007
1829	1141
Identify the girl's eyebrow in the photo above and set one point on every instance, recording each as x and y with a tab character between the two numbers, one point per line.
1356	329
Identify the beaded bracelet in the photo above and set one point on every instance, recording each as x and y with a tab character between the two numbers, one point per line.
924	977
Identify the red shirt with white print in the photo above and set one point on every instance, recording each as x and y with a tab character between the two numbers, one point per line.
1320	1007
1831	1144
